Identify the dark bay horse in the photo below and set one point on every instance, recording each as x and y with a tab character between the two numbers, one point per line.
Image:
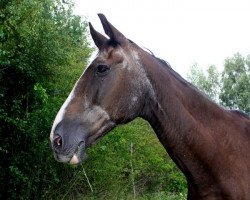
209	144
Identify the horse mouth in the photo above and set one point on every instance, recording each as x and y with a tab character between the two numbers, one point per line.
93	138
79	155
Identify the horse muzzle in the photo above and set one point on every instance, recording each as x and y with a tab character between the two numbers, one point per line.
77	157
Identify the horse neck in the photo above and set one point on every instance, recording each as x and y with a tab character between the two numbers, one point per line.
179	114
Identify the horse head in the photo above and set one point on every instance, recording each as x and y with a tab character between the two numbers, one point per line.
112	90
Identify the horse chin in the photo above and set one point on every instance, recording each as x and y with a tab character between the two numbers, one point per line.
74	160
79	156
97	135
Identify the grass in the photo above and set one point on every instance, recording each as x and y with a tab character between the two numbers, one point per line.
107	173
149	196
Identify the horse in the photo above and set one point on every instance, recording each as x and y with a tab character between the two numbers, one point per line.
210	144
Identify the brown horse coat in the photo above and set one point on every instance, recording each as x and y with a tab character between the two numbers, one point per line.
210	144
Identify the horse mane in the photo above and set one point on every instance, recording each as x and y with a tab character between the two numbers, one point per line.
240	113
170	69
179	77
165	64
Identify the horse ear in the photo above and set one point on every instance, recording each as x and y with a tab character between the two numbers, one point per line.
111	31
98	38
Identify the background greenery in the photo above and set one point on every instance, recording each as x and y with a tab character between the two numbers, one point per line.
231	87
43	50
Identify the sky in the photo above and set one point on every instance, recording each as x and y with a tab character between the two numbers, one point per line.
181	32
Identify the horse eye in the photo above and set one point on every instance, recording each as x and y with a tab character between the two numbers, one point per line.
101	69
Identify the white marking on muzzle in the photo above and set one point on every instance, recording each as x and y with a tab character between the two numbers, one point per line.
74	160
60	114
62	110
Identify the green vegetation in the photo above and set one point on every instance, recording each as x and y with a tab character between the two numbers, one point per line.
208	82
231	88
112	176
43	50
235	80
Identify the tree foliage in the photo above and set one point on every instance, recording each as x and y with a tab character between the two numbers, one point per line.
231	88
235	92
39	39
145	166
208	82
43	49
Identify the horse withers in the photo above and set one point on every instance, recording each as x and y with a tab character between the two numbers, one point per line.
210	144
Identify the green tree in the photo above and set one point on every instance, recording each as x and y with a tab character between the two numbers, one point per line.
43	47
235	92
208	82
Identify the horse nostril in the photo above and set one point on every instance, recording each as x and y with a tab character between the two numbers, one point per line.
58	141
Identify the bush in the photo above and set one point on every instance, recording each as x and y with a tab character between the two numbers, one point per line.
43	48
38	39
